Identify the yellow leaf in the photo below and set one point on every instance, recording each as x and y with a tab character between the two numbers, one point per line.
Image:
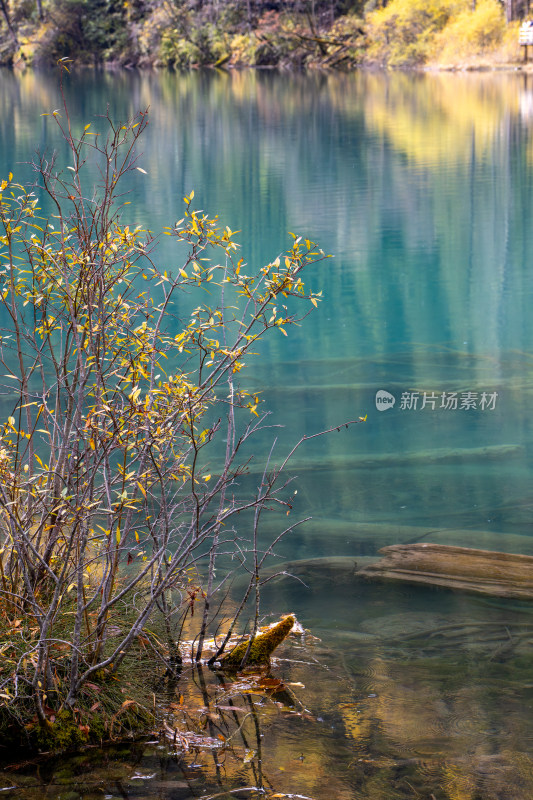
134	396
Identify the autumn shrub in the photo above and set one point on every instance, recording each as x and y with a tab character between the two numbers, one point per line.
510	50
175	51
126	431
242	47
402	33
150	34
472	32
183	43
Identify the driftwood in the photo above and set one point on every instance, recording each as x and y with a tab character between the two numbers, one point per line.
462	568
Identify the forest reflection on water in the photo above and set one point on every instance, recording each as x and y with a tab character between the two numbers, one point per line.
422	188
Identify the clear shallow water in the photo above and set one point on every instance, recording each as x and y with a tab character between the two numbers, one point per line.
422	188
404	694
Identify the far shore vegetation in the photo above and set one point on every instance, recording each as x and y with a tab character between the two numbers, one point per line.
333	34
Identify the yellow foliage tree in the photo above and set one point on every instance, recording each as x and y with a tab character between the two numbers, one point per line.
413	32
471	33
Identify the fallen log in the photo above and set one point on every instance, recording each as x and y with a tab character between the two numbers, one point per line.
460	568
256	652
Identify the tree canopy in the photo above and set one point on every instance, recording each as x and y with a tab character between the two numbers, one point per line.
261	33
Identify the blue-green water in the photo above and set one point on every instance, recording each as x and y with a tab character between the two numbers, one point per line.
422	188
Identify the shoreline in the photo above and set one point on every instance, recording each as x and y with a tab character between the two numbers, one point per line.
113	66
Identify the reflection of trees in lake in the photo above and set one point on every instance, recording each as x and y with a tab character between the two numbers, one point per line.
420	185
372	163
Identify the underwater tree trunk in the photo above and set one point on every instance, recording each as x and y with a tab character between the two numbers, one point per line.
462	568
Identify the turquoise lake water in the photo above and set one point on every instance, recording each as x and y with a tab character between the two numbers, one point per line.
421	186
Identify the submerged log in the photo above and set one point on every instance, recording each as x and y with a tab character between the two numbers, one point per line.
461	568
439	455
257	651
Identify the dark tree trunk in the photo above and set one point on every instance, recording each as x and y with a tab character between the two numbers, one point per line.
5	12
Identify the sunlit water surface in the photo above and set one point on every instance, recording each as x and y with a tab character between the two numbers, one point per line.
421	186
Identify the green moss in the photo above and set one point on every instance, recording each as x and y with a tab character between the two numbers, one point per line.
64	733
261	647
98	727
